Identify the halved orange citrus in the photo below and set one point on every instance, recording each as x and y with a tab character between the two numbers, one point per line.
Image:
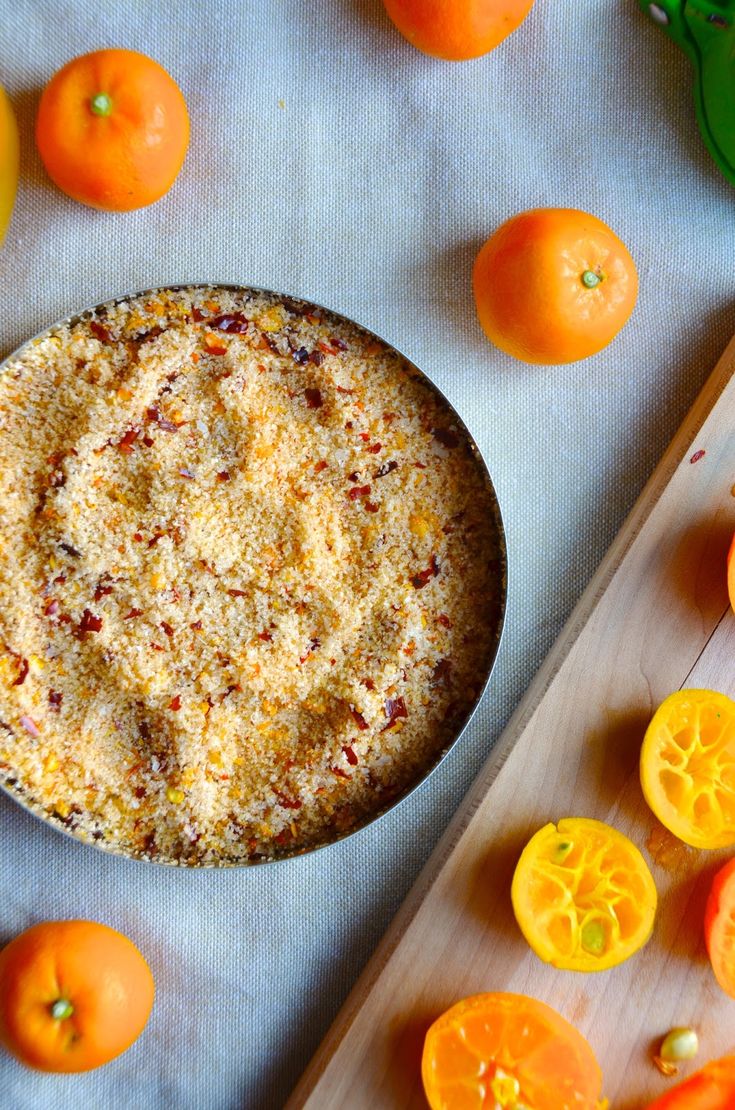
583	895
688	767
508	1051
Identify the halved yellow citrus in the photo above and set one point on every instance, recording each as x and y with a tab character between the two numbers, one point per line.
688	767
583	895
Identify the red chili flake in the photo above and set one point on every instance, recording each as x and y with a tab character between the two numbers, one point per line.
139	792
358	717
265	636
367	683
354	476
394	709
197	626
67	547
197	315
338	343
133	613
321	465
286	802
326	347
445	436
137	536
151	333
155	538
316	358
424	576
283	837
99	332
30	725
156	417
156	647
358	491
349	425
102	591
234	323
371	507
65	619
186	473
167	628
313	645
341	389
231	690
175	703
55	698
236	593
697	456
223	476
147	441
313	398
51	607
444	620
22	673
386	468
340	773
89	622
127	441
213	347
375	449
350	754
365	437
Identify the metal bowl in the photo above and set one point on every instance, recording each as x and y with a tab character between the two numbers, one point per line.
496	616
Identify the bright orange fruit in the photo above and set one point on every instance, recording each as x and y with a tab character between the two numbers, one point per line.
719	927
712	1088
73	995
113	129
731	573
553	285
457	29
583	895
687	767
508	1051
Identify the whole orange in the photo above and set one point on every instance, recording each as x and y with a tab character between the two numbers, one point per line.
554	285
73	995
457	29
113	129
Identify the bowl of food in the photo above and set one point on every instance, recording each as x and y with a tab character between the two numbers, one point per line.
252	571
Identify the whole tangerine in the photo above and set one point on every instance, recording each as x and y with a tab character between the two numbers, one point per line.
554	285
73	995
113	129
457	30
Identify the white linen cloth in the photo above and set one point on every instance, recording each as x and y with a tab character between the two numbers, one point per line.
331	160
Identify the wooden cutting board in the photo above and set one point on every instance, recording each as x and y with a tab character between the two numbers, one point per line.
654	619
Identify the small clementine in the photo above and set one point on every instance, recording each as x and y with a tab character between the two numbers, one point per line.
113	129
73	995
457	30
553	285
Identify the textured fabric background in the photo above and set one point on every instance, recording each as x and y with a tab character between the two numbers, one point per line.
331	160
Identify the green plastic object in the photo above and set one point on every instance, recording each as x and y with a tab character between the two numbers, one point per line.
705	31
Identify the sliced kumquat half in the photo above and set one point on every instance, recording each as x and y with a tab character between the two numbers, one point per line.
688	767
583	895
503	1051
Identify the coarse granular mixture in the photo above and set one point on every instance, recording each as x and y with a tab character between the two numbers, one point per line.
250	576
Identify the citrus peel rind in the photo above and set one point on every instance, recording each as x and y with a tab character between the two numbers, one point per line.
687	767
583	895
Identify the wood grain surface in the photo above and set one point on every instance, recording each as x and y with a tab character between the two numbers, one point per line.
654	619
